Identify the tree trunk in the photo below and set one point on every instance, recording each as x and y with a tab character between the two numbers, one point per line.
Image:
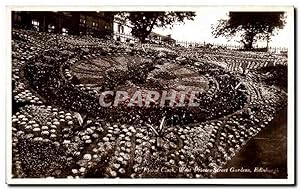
268	40
147	33
249	46
143	38
248	39
248	42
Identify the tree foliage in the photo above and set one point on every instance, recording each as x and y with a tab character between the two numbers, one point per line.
251	26
143	22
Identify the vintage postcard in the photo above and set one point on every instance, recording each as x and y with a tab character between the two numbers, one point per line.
150	95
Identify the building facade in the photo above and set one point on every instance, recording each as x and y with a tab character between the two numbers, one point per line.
122	30
159	39
97	24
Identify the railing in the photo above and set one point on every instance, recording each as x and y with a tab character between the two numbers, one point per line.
128	37
199	44
124	37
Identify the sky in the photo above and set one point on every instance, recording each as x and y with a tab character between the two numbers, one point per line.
199	30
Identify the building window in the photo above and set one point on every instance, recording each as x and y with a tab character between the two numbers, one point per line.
119	28
35	24
82	20
17	18
64	31
95	26
51	28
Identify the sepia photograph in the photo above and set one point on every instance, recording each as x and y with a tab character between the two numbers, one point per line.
150	95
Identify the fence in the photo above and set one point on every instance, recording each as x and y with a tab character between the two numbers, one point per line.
123	37
233	47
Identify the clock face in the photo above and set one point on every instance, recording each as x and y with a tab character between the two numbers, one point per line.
140	74
136	74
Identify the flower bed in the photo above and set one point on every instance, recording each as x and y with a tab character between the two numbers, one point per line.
61	110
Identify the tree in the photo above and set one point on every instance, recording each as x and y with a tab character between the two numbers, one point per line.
143	22
251	26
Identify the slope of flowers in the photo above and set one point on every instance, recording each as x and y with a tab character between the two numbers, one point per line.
59	129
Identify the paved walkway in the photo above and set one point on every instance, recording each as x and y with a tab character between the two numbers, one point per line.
267	150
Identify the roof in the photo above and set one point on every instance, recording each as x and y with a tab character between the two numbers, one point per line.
163	37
